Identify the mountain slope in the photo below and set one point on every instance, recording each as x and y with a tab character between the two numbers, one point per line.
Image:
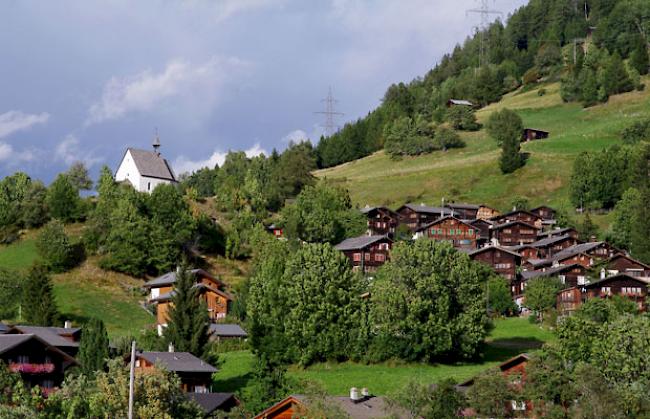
472	174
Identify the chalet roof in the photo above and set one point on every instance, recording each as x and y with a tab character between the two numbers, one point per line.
511	213
555	232
463	206
227	330
621	255
519	247
421	208
526	275
645	281
576	249
51	335
170	278
372	407
439	220
367	209
177	361
511	223
504	366
361	242
499	248
542	206
549	241
480	220
462	102
10	341
209	402
151	164
202	287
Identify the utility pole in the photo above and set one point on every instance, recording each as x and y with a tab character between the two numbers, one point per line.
132	380
330	113
484	11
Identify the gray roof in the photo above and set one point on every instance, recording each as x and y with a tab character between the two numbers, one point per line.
209	402
618	276
548	241
510	223
8	342
178	361
461	102
555	232
467	223
170	294
151	164
549	272
227	330
50	335
574	250
427	209
463	206
372	407
170	278
356	243
502	249
3	328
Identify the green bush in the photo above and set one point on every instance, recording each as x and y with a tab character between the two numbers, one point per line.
58	253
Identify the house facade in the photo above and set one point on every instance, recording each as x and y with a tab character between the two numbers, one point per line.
519	215
551	246
144	170
382	221
450	229
503	261
417	216
464	211
623	264
366	253
633	288
544	212
485	213
513	233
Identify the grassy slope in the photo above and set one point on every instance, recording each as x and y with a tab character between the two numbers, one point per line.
510	337
472	174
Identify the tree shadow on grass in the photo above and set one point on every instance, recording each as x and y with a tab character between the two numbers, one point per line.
232	384
500	350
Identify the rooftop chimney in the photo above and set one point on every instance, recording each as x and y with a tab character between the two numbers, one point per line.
171	348
603	274
67	324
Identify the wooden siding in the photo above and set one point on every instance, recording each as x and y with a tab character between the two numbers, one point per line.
503	263
454	231
382	222
514	234
371	257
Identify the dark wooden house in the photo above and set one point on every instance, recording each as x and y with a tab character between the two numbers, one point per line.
513	233
568	231
382	221
636	289
527	251
417	216
66	339
551	246
484	231
532	134
569	300
570	275
519	215
485	213
38	362
502	260
544	212
623	264
366	253
464	211
453	230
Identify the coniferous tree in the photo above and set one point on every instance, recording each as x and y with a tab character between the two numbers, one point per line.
188	323
63	199
93	347
39	306
511	158
639	59
587	229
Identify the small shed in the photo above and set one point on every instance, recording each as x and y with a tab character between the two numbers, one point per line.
532	134
459	102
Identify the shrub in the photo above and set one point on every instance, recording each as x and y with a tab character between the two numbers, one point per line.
55	248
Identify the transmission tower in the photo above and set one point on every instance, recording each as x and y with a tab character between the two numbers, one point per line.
485	12
330	113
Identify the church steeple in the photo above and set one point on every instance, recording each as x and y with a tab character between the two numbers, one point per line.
156	143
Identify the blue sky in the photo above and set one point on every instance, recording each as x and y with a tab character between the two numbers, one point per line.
83	80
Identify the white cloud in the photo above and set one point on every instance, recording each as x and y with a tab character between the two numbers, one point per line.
183	164
69	151
198	84
12	157
225	9
295	136
13	121
5	151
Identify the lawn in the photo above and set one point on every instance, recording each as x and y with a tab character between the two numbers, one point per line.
510	337
19	255
471	174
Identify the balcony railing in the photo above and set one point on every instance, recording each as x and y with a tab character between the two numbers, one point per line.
28	368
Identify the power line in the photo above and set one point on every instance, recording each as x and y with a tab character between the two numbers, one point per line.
330	113
484	11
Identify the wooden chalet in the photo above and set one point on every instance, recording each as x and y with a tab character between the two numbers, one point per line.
553	245
195	376
527	251
585	254
450	229
366	253
634	288
382	221
568	231
503	261
486	213
484	230
362	407
513	233
570	275
519	215
544	212
623	264
65	339
514	369
464	211
417	216
459	102
211	290
532	134
38	362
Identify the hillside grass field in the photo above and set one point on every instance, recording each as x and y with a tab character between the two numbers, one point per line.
472	174
510	337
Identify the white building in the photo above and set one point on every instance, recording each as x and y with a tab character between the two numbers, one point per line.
144	170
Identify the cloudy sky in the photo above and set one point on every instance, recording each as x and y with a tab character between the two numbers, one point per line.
83	80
